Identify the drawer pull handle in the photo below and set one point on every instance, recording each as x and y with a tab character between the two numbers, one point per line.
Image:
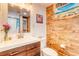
14	53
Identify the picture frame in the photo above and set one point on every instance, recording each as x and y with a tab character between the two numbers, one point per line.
39	18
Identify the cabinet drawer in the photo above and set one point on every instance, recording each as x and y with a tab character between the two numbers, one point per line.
21	54
20	49
33	52
37	44
32	46
17	50
4	53
12	52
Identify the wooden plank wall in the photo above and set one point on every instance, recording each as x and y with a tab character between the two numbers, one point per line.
65	32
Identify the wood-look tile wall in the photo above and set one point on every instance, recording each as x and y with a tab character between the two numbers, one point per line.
65	32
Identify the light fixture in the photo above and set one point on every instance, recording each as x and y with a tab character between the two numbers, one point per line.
25	13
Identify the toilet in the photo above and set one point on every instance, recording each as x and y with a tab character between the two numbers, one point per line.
46	51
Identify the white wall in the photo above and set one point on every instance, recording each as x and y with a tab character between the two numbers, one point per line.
38	29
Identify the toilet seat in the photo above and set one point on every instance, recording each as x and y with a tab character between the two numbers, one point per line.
49	52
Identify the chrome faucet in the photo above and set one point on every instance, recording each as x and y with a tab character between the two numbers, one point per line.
20	35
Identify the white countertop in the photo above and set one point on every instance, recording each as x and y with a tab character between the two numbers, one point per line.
17	43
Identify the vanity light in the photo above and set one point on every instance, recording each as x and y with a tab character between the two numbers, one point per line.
25	13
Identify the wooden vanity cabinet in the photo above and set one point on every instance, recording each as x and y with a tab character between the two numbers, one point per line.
26	50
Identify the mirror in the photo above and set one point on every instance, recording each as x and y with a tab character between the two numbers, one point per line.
19	19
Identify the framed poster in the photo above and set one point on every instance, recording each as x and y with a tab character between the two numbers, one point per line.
39	18
60	4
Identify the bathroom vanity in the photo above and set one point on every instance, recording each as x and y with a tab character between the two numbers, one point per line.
20	47
26	50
